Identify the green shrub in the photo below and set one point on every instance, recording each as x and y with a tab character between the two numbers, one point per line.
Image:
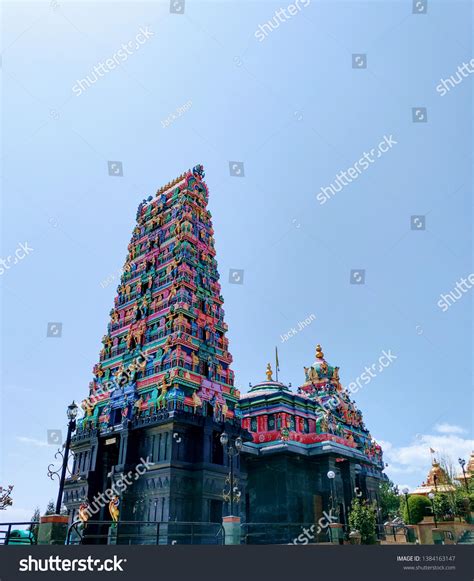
362	518
417	508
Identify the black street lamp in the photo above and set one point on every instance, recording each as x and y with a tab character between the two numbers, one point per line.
405	492
72	410
462	463
232	448
431	497
331	475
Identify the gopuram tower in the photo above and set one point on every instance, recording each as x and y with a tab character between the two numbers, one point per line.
163	390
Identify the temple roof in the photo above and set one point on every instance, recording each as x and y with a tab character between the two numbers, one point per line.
266	388
436	481
319	411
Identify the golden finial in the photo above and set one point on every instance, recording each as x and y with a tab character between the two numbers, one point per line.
269	372
319	353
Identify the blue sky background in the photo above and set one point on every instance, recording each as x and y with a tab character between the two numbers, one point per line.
295	113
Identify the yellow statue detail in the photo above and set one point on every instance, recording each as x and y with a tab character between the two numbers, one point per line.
114	508
269	372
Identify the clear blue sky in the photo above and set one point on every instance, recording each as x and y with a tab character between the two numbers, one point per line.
296	113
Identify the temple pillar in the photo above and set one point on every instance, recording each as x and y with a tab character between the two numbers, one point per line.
52	529
231	525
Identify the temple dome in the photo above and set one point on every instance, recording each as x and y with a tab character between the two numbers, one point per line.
269	386
266	387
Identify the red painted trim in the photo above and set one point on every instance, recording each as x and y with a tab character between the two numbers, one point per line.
54	518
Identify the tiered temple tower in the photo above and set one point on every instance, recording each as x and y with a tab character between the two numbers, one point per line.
163	389
163	392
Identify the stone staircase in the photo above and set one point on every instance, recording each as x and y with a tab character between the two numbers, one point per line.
467	538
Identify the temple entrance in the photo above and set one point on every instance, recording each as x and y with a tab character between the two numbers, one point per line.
215	511
107	458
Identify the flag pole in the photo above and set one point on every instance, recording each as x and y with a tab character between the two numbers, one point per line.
276	363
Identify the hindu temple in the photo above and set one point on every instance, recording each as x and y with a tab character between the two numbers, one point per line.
298	439
437	480
163	393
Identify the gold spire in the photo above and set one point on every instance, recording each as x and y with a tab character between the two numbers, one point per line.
319	353
269	372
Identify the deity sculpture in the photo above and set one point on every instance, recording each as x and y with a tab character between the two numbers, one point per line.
269	372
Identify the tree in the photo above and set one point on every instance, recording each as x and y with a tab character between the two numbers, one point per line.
51	508
417	505
443	506
447	465
35	519
462	503
389	498
362	518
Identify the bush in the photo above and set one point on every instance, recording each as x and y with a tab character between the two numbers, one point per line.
471	499
443	506
417	505
362	519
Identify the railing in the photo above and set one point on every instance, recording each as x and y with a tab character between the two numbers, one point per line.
282	533
145	533
10	533
391	533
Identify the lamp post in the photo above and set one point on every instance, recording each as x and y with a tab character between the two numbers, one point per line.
232	448
431	497
72	410
462	463
331	475
405	492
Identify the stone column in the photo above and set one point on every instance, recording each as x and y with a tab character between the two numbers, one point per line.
231	526
336	532
52	529
123	449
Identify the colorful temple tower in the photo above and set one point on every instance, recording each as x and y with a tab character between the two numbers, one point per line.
298	439
163	395
163	390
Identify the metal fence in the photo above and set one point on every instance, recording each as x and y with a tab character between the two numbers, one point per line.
145	533
282	534
185	533
18	533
